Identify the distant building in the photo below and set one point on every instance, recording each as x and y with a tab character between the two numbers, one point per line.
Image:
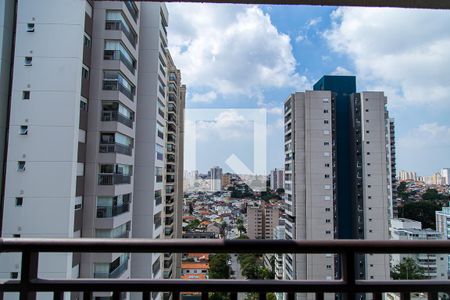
445	173
261	220
407	175
435	266
276	179
215	179
435	179
226	180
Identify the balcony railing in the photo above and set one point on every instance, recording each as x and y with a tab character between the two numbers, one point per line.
117	55
111	179
30	249
116	148
117	25
116	116
132	9
112	211
113	85
115	273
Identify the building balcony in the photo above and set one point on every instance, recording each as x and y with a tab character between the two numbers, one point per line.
132	8
118	117
112	179
118	25
29	283
112	211
116	148
112	85
118	55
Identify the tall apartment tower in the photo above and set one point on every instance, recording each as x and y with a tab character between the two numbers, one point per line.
174	165
276	179
86	148
215	179
262	218
337	174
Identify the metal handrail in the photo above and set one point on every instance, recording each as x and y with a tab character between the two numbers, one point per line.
349	249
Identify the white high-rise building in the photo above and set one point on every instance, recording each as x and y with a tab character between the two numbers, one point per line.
216	179
445	173
336	175
276	179
87	127
407	175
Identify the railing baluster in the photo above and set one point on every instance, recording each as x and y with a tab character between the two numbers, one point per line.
433	296
319	296
204	295
405	296
377	296
28	272
348	273
262	296
146	295
175	295
291	296
116	295
58	295
87	295
233	296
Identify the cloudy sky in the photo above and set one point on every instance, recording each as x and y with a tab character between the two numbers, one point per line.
234	57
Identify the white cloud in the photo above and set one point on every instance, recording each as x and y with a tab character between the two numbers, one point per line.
426	147
278	111
405	52
313	22
230	49
341	71
228	125
299	38
204	98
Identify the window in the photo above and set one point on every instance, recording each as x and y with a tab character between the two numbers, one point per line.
367	121
328	267
370	208
327	175
327	165
83	104
87	41
325	111
370	197
19	201
78	206
16	235
326	143
368	153
85	72
159	152
30	27
368	175
327	209
370	220
326	154
327	198
368	142
26	95
367	99
325	100
327	221
28	60
328	232
23	130
367	110
14	275
367	131
369	186
370	230
326	132
368	164
21	166
325	121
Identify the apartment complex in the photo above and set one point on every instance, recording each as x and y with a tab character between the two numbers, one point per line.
337	174
88	140
262	218
434	265
407	175
276	179
445	173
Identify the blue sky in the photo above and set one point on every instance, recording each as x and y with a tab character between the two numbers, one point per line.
235	56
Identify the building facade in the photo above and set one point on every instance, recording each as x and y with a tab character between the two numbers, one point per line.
88	124
445	173
407	175
434	266
262	219
215	179
336	174
276	179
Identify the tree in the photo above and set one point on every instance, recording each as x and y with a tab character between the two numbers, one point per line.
280	191
193	225
422	211
407	269
218	266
